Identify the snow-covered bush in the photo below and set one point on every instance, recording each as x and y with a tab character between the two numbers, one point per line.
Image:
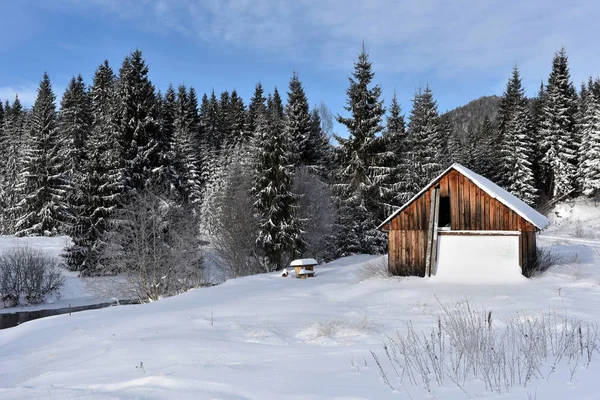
27	275
466	345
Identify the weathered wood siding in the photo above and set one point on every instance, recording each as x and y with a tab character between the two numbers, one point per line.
470	209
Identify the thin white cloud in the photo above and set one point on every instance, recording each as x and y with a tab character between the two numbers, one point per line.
27	94
403	36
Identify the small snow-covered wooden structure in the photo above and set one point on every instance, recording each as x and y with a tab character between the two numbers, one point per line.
304	267
462	223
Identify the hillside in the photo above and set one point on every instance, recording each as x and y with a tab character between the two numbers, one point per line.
268	337
473	114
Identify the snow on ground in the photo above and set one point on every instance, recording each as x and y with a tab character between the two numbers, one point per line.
268	337
75	291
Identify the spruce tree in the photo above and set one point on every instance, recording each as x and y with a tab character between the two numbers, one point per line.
298	124
394	138
238	119
74	124
42	184
256	109
143	147
541	181
485	155
99	186
225	123
14	134
359	164
424	146
183	146
589	167
210	145
280	234
318	149
275	108
516	140
558	128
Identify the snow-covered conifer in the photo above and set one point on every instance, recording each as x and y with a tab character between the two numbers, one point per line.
280	235
516	140
99	186
359	159
41	184
589	167
558	128
298	124
143	147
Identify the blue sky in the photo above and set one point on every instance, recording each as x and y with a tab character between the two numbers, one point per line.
462	49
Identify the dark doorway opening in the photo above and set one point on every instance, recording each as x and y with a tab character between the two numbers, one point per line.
444	216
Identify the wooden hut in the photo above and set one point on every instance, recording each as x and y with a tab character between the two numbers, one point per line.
462	218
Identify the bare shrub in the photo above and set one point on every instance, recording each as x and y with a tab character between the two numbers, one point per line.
465	346
407	270
579	230
374	269
340	327
155	244
27	275
544	259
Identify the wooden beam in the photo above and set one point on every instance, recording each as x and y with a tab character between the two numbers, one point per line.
430	229
435	233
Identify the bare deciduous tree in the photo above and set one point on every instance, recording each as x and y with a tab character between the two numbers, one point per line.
316	207
232	225
156	245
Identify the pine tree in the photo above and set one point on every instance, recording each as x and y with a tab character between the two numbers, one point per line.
280	236
14	133
99	186
485	155
74	124
394	138
4	145
210	143
142	145
424	146
238	119
515	138
256	109
318	156
558	128
275	108
541	181
183	146
360	172
589	167
225	123
298	124
41	183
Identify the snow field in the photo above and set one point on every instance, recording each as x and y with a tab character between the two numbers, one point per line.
269	337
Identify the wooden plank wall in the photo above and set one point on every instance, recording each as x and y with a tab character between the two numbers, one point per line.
470	209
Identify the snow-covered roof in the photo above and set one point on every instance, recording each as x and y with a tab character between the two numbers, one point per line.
495	191
303	261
